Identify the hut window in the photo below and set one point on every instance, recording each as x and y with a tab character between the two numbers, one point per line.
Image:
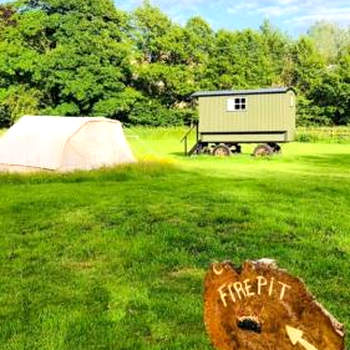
236	104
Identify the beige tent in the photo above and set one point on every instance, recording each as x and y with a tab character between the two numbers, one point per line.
63	144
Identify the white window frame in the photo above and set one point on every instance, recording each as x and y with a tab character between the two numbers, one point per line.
232	103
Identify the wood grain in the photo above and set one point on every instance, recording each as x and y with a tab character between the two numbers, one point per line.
250	308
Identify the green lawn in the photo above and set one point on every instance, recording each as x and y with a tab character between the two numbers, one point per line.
115	259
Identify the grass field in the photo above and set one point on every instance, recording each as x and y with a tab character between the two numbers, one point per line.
115	259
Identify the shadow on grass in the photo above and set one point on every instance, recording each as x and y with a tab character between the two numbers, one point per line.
328	160
179	154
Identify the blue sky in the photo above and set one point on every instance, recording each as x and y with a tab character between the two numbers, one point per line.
292	16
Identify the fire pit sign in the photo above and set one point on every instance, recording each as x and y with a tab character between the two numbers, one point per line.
261	307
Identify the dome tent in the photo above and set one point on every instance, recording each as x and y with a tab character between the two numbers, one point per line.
63	144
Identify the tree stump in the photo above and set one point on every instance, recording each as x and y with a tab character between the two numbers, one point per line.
262	307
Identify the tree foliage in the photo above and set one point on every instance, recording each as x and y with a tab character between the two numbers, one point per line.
86	57
329	39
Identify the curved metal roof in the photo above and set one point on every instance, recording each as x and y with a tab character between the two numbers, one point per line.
241	92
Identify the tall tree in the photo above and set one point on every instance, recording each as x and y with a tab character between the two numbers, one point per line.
200	46
330	39
240	61
163	71
18	63
333	95
277	49
74	52
308	73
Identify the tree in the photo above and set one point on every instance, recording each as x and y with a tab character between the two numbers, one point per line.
18	62
164	64
75	53
330	39
277	49
307	73
333	95
86	57
240	61
324	91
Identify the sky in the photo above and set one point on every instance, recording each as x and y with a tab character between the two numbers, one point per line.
291	16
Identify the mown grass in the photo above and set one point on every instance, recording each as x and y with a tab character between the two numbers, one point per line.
115	259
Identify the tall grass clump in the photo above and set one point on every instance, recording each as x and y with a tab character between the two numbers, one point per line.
323	134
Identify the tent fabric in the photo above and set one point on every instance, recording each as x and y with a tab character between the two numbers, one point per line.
63	144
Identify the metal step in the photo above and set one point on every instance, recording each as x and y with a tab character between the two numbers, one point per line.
194	149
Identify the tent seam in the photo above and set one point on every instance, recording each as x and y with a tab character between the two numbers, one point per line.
79	129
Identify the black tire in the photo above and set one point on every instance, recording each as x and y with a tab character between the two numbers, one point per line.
236	149
221	151
206	150
275	146
263	150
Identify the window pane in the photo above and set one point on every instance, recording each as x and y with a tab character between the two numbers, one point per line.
243	100
237	100
237	107
243	107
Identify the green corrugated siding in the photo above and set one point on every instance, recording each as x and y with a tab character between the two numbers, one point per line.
270	112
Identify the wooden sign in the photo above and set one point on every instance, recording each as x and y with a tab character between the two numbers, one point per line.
261	307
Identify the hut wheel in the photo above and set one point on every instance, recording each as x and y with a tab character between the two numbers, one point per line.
236	148
206	150
276	147
221	151
263	150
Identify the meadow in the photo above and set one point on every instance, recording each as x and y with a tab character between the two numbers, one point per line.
115	259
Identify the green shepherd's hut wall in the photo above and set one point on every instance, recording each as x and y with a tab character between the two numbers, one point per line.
268	113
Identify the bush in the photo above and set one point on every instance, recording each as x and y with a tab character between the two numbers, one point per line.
309	114
64	109
303	137
5	116
16	102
